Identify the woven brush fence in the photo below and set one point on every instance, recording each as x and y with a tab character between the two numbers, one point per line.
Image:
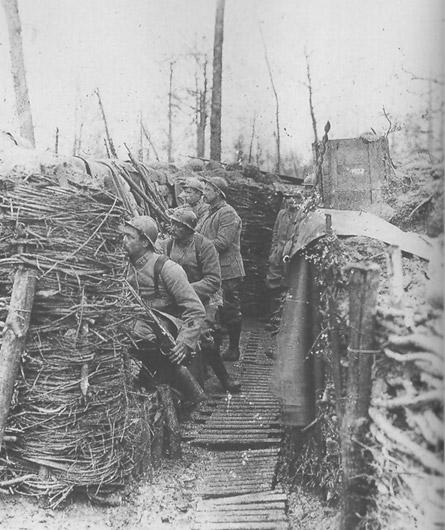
405	438
407	421
258	205
69	424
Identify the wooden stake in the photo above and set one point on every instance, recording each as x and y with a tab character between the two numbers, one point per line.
172	431
335	358
363	289
395	275
157	441
14	338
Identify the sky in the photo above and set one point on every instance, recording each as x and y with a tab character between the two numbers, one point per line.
362	56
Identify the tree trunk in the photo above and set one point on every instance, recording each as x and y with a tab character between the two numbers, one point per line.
170	117
56	146
110	146
23	105
251	139
14	338
202	116
215	118
144	130
277	107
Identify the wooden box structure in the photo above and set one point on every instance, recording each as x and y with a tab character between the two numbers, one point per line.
353	171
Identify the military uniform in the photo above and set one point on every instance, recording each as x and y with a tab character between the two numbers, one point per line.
222	225
285	226
199	259
175	298
200	209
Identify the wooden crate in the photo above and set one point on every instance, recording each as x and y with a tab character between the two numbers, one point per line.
353	172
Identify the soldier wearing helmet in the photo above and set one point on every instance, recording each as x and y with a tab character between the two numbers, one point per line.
222	225
198	257
285	228
163	285
194	189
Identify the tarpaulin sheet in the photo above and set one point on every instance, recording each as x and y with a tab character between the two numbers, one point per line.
354	223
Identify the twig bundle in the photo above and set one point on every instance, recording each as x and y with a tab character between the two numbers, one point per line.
257	205
407	423
70	410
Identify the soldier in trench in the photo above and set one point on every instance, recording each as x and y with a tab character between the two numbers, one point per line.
222	225
285	227
163	286
199	259
194	191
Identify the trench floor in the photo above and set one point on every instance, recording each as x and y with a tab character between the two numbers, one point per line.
244	436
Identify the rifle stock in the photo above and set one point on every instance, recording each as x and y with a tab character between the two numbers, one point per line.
167	339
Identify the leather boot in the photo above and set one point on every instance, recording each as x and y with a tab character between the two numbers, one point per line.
189	387
232	353
213	357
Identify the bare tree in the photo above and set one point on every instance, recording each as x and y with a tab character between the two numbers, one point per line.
110	149
56	146
23	105
215	117
311	105
252	137
201	113
170	115
199	97
148	137
277	106
141	140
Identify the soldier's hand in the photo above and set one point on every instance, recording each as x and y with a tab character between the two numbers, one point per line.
179	352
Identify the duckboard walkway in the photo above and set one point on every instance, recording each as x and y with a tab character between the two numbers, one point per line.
243	431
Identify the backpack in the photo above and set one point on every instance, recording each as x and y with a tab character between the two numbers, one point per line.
198	238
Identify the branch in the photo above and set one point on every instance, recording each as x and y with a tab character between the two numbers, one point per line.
405	444
311	107
420	400
107	132
277	108
415	77
391	128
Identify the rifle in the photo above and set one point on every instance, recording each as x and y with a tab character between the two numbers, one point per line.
166	339
188	385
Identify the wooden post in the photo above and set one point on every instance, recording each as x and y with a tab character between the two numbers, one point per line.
14	338
335	358
172	433
395	275
335	342
363	289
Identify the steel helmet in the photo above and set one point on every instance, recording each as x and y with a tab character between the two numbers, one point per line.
194	183
184	217
220	184
145	225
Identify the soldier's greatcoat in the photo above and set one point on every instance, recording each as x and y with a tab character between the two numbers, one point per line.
222	225
199	258
176	297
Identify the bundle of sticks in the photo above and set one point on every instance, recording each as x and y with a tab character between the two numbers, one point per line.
257	205
68	421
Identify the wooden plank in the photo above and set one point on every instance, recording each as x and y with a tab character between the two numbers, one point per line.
270	496
248	508
228	517
273	525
